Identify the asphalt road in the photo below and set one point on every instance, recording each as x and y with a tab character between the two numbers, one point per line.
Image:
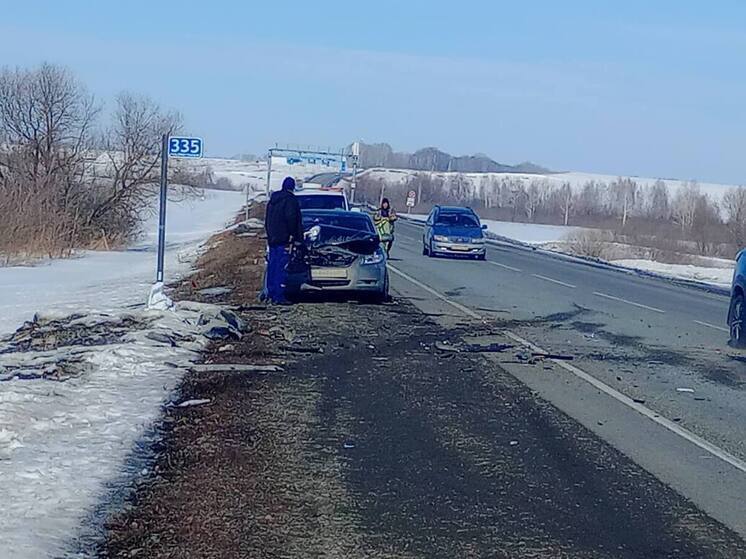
660	344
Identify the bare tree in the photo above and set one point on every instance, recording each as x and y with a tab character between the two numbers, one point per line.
46	120
566	194
624	192
705	224
658	206
532	197
132	150
734	207
589	201
685	205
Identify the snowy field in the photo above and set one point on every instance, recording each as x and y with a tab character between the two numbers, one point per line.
476	183
254	173
720	276
107	281
64	441
530	233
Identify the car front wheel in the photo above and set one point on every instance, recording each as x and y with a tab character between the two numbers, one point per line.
735	321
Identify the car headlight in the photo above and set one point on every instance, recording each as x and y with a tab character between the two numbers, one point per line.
313	233
375	258
478	241
440	238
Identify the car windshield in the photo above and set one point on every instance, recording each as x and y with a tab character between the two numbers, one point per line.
457	220
359	222
321	202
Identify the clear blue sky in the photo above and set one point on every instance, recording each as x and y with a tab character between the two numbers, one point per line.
623	87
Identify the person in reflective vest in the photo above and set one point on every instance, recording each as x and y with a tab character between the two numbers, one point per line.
384	220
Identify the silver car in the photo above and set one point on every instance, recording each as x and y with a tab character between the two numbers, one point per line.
342	253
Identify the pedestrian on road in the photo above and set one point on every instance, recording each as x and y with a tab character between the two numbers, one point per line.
384	220
284	225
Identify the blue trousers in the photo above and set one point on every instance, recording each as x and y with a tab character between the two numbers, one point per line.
276	273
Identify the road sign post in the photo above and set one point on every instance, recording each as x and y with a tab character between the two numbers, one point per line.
171	146
411	200
355	158
162	209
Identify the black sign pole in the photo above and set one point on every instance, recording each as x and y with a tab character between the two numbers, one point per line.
162	211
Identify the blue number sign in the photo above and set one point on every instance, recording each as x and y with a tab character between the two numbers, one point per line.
184	147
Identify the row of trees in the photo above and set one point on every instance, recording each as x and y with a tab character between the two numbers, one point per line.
685	214
67	179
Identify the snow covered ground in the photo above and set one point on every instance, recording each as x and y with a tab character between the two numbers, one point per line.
254	173
112	280
720	276
63	443
475	184
531	233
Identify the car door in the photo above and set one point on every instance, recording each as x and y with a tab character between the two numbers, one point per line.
429	228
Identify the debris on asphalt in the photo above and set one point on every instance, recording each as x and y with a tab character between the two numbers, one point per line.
557	356
234	368
348	445
226	347
196	402
490	348
445	346
472	348
685	390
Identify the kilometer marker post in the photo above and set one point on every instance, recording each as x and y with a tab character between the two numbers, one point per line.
171	146
162	209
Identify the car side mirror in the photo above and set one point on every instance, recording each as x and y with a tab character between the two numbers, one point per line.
484	227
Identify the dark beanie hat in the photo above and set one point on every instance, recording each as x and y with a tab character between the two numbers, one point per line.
288	183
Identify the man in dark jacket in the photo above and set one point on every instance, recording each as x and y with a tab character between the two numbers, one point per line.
284	226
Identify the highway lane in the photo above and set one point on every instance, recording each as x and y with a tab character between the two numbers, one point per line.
658	342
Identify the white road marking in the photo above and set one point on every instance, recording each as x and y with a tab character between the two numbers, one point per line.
504	266
721	328
640	305
685	434
558	282
467	311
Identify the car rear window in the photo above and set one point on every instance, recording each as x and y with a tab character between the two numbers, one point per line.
311	202
457	220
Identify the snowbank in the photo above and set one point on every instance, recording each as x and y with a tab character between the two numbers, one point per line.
71	415
64	440
531	233
107	281
716	276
